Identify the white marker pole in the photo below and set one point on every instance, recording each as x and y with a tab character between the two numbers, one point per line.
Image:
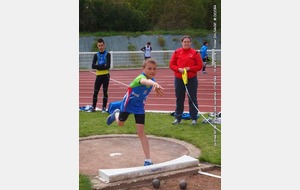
215	69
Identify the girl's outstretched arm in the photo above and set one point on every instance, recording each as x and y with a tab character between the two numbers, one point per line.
159	90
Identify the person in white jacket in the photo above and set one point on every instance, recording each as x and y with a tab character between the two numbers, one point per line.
147	50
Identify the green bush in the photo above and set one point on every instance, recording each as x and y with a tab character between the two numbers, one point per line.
94	47
175	39
161	41
131	47
196	45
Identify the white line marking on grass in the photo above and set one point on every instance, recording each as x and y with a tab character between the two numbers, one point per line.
208	174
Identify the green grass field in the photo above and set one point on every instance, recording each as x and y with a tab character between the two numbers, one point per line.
158	124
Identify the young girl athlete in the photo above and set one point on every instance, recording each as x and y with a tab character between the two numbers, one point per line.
134	103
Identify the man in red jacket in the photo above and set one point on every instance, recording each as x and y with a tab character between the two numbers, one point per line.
189	59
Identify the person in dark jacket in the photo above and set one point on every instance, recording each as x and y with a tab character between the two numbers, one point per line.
101	62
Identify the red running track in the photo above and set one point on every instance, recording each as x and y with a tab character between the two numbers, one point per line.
120	79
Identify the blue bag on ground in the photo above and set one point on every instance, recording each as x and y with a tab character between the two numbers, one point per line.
85	108
114	105
185	116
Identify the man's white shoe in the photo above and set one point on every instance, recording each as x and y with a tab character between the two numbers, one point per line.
176	122
194	122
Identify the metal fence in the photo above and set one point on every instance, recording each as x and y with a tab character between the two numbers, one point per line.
134	59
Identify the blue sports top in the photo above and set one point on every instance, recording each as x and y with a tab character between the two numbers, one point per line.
203	51
102	58
136	95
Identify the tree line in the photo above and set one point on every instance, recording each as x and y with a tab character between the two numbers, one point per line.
143	15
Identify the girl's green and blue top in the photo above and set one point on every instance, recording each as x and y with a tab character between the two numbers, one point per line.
136	95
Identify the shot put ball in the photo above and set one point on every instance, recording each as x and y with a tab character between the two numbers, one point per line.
156	183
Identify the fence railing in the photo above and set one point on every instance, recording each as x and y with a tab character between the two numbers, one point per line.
134	59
